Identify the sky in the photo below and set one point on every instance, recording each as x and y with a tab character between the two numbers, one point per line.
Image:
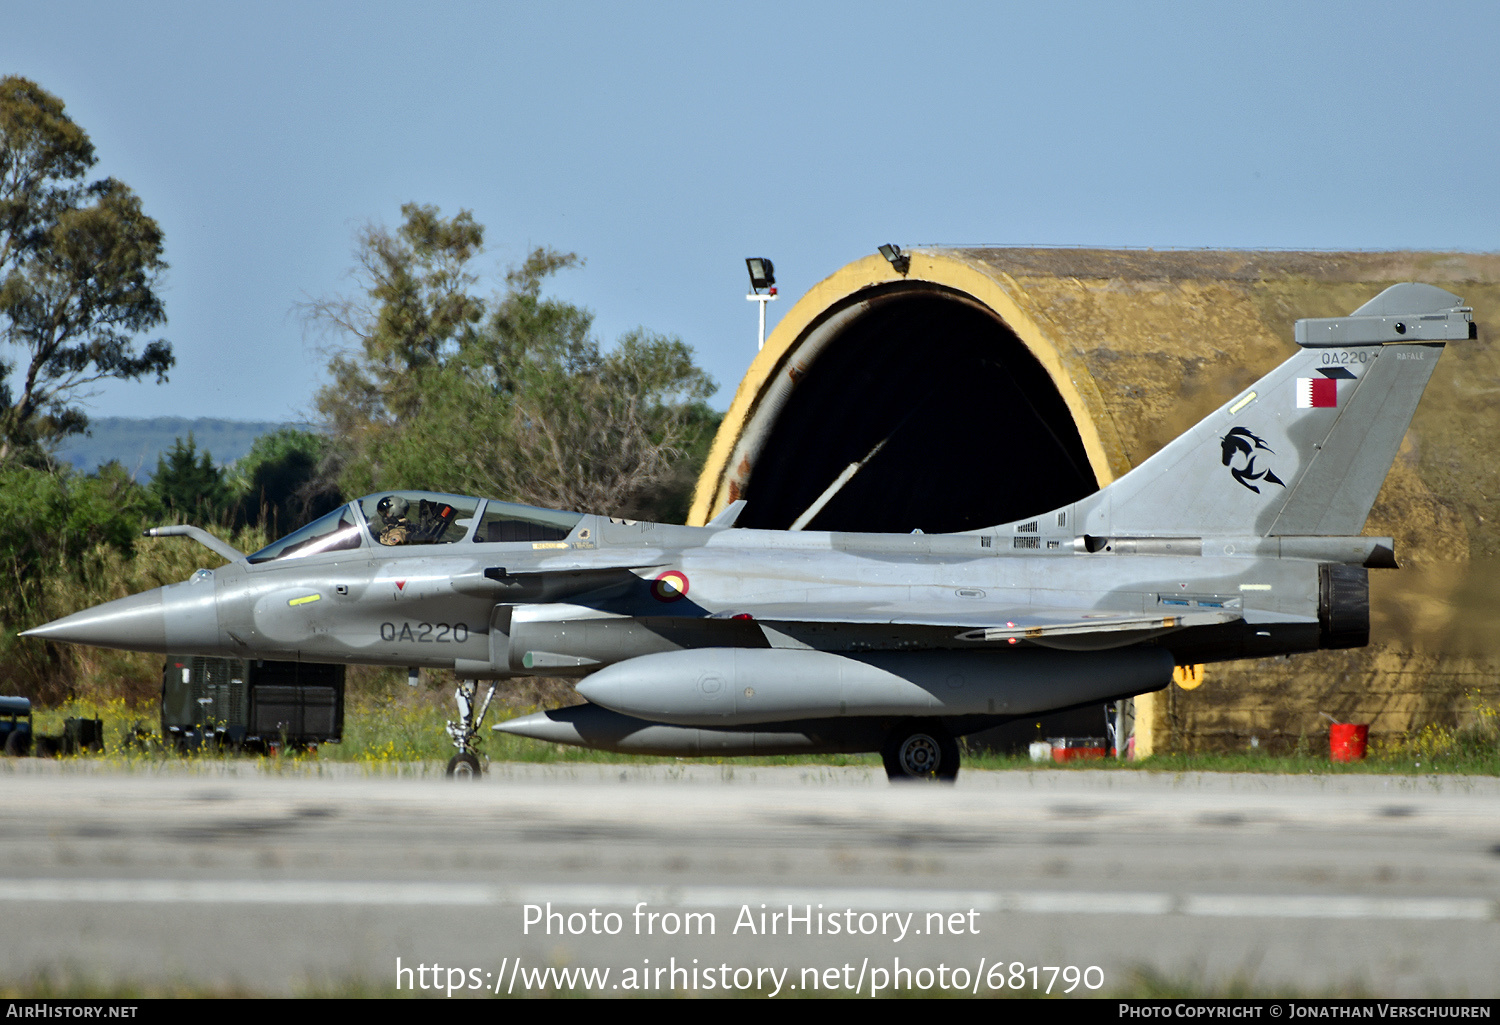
665	142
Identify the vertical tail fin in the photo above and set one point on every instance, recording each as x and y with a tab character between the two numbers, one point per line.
1305	450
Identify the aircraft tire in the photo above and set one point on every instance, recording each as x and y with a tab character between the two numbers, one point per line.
464	766
915	750
18	744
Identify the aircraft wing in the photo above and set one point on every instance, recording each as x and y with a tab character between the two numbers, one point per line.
989	623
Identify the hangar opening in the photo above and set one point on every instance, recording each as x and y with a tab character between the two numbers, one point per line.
966	427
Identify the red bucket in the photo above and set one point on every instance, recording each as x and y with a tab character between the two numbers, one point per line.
1346	741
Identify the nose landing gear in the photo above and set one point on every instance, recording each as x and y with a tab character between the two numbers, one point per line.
465	730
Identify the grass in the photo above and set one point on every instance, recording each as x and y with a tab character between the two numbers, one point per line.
391	727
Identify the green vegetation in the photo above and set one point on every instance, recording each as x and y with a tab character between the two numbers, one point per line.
81	565
70	541
275	485
511	396
136	442
390	727
188	485
79	265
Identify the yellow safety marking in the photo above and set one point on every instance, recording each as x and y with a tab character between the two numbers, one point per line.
549	544
1187	677
305	600
1249	398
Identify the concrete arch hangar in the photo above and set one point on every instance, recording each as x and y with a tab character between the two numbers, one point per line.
951	403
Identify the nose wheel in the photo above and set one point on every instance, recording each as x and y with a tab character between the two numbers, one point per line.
915	750
464	730
464	766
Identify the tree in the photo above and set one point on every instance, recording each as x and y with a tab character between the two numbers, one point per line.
50	521
415	307
276	483
190	486
523	404
79	265
55	531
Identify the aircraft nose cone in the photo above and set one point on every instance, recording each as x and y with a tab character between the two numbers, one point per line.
134	624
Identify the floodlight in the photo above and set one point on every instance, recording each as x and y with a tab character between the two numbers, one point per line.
762	272
897	259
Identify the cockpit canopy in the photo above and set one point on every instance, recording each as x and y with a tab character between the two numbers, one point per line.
390	519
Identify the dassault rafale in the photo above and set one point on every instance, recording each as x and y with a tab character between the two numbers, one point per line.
1239	539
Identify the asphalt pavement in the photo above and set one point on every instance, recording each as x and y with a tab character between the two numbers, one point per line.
291	879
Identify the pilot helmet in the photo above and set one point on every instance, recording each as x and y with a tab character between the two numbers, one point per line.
392	507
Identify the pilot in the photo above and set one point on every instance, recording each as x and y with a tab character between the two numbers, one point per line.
398	529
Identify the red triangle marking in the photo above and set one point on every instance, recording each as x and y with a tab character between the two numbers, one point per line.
401	585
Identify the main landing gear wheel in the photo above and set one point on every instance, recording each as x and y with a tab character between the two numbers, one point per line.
917	750
464	766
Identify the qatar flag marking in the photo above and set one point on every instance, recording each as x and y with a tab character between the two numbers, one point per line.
1317	393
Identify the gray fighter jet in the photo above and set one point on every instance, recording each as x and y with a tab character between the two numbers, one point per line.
1240	539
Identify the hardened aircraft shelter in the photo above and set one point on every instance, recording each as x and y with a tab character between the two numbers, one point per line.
982	385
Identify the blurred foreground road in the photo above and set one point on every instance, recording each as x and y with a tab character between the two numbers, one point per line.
319	878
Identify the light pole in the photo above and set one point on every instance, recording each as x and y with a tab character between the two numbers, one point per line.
762	289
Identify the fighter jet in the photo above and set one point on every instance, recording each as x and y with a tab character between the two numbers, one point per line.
1240	539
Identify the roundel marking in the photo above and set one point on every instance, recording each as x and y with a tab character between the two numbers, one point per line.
670	586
